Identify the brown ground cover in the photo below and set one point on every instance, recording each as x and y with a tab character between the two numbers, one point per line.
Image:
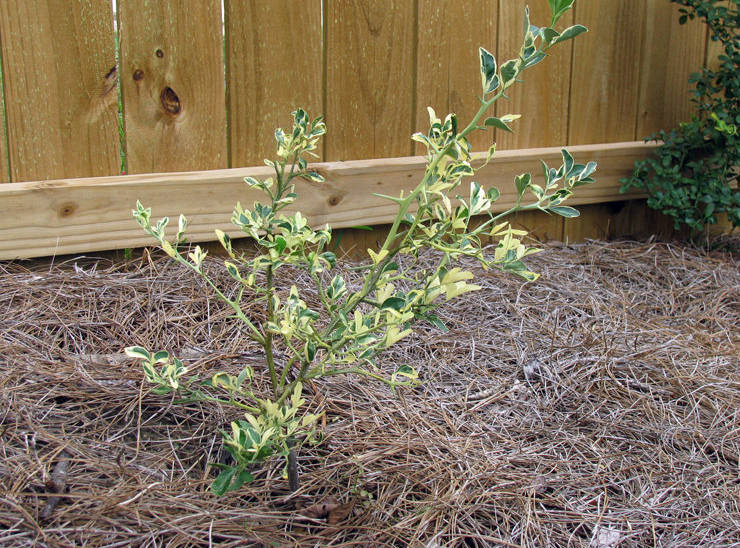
597	407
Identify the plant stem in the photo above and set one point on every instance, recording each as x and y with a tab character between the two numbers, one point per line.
293	482
268	335
255	334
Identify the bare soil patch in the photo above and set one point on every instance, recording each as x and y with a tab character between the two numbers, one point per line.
598	407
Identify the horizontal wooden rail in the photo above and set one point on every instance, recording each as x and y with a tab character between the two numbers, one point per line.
93	214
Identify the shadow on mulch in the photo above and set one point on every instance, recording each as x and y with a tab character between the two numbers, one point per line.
596	407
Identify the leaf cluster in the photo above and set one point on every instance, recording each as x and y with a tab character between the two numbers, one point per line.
693	175
267	428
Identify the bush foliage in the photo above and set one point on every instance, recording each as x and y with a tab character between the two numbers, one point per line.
350	324
693	175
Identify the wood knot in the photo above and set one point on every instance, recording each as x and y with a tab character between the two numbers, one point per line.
138	74
109	81
170	101
67	209
334	200
159	53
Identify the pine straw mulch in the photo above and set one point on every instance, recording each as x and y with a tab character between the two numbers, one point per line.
596	407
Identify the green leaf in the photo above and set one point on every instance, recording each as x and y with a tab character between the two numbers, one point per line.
242	478
406	372
497	123
182	224
395	303
590	168
527	24
489	78
459	169
490	153
533	59
548	34
479	201
309	351
314	176
537	190
221	484
161	357
280	244
138	352
330	258
565	211
567	160
336	289
522	182
493	194
436	322
558	8
233	271
508	118
570	33
246	374
509	70
225	240
279	136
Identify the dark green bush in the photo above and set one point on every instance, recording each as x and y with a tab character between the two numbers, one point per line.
693	175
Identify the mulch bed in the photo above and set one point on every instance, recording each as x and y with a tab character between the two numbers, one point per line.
598	406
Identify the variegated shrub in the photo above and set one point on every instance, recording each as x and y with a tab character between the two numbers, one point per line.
354	323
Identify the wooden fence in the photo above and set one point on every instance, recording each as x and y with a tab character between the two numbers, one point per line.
180	86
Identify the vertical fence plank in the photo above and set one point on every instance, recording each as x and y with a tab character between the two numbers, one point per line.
60	88
448	75
4	162
593	222
604	90
606	71
542	98
172	77
273	66
665	98
370	78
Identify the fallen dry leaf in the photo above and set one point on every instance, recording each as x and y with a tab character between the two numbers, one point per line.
328	509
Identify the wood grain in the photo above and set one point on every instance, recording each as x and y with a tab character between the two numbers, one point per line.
273	66
82	215
4	161
172	77
369	78
542	99
594	222
60	88
606	71
665	98
638	221
448	73
540	226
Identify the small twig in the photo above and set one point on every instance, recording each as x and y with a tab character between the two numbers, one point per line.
56	484
139	494
293	481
